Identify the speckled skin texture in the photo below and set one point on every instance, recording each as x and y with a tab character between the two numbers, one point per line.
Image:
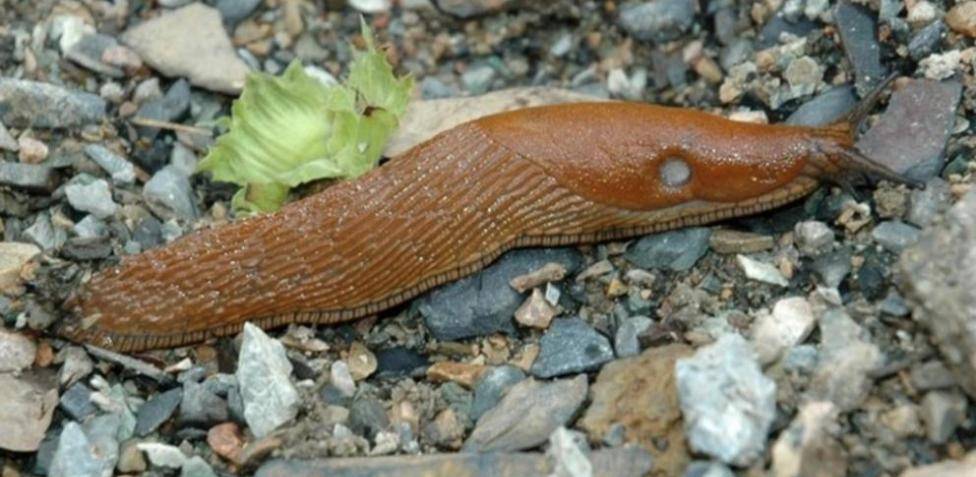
541	176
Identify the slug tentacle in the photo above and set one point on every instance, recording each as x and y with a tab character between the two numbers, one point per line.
546	176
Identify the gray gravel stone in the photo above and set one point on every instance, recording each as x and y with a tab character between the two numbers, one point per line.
826	108
847	357
527	415
491	386
367	416
76	402
938	275
43	233
727	402
657	20
676	250
942	412
925	41
80	456
7	141
931	375
234	11
625	341
700	468
169	107
40	105
484	303
832	268
570	346
27	176
813	237
157	410
925	204
858	33
169	194
195	466
894	235
911	135
93	197
477	79
88	51
121	170
263	374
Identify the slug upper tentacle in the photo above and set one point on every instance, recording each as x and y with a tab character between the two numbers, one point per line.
550	175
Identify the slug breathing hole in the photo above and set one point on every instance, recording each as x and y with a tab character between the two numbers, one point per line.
675	172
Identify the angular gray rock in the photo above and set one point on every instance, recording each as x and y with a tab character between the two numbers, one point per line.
658	20
169	194
938	276
727	402
121	170
570	346
847	357
527	415
676	250
26	103
93	197
263	374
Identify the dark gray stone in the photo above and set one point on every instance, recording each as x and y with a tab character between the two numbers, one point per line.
87	248
76	402
367	416
26	104
399	361
170	107
484	303
677	250
27	176
894	235
828	107
925	41
858	34
148	233
776	26
121	170
657	20
492	386
233	11
570	346
169	194
926	204
201	407
88	50
157	410
911	135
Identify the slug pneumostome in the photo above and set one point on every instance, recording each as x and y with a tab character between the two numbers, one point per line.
542	176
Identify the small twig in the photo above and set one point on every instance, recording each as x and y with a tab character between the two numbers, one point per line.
155	123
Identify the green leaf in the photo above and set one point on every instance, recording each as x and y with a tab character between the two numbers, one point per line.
292	129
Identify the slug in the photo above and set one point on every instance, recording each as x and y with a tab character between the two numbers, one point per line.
542	176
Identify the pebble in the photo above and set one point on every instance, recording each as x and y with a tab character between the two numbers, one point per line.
7	141
550	272
45	234
462	373
361	361
491	386
31	151
78	455
536	312
190	42
169	194
233	11
76	364
813	237
847	357
93	197
962	18
946	468
940	66
700	468
342	379
121	170
807	446
28	405
733	241
926	204
937	276
162	455
201	407
226	441
27	176
370	6
625	340
931	375
33	104
790	323
484	303
196	467
263	374
473	8
157	410
399	361
942	412
89	51
445	430
14	257
895	235
832	268
911	135
760	271
367	416
640	394
727	402
167	108
677	250
828	107
131	459
527	415
926	41
478	78
568	451
858	33
76	402
571	346
657	20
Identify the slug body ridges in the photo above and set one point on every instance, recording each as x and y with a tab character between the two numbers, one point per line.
543	176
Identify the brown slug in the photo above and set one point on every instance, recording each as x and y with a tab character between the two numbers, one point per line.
543	176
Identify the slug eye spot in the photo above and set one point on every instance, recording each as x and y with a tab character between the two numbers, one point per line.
675	172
